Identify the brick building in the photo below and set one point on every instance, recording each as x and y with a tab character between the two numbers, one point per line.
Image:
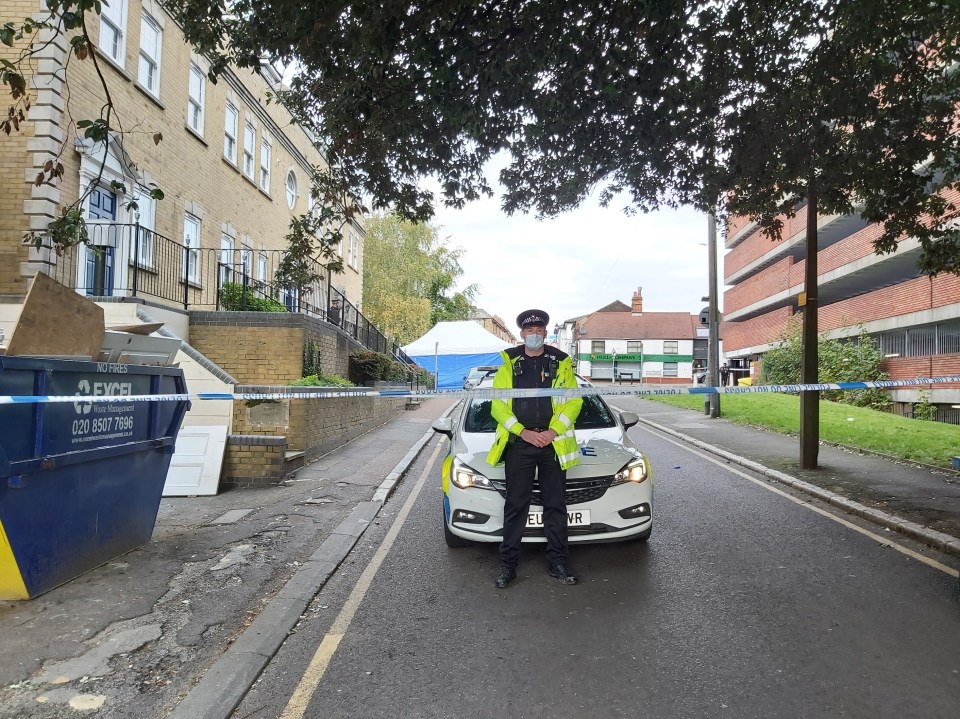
493	324
915	319
622	342
234	171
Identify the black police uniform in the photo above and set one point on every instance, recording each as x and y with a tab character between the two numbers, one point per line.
523	462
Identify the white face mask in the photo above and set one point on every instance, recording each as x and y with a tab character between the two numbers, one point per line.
533	341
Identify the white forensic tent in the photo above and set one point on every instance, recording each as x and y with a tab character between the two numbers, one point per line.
450	349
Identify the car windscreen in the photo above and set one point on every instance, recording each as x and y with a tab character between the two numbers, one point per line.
594	414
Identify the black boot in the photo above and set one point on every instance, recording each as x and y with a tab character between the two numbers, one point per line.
506	575
565	574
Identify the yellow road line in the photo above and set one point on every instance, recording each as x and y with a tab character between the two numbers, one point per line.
806	503
300	700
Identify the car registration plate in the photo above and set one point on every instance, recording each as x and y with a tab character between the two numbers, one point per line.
575	518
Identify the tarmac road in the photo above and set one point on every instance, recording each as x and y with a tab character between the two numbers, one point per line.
748	601
737	582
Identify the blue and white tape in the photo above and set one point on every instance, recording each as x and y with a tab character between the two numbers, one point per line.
275	393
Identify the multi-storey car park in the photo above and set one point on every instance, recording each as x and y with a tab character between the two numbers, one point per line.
915	318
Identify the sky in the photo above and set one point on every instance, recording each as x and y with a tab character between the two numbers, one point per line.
580	261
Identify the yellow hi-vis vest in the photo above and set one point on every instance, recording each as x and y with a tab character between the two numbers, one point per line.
565	410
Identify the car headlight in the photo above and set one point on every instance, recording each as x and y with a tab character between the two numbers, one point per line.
635	471
465	477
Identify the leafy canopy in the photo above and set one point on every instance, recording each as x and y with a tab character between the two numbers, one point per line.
647	102
409	276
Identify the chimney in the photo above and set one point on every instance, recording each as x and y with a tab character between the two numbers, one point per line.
637	305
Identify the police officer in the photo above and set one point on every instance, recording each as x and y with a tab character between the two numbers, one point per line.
535	439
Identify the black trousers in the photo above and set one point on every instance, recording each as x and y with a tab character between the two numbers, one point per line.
522	463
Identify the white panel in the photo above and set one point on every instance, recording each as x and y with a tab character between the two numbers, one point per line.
195	467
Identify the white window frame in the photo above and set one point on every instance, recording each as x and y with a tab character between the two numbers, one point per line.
113	30
191	243
249	148
147	207
671	347
266	153
291	192
226	258
195	99
246	261
671	369
231	119
146	59
354	251
262	273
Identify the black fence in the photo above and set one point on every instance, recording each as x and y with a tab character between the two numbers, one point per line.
133	261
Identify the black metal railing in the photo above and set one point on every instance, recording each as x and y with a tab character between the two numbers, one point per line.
129	260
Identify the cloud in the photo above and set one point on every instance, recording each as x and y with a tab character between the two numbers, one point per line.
580	261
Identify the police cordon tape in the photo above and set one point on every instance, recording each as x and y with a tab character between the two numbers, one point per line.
330	393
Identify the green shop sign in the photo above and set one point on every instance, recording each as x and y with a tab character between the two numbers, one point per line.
605	357
622	358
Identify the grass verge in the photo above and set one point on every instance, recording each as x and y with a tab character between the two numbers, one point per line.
914	440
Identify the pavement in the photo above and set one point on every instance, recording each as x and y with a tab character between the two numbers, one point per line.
183	626
914	500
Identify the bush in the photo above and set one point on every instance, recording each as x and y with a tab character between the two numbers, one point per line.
321	380
232	298
839	361
367	367
311	359
422	377
923	408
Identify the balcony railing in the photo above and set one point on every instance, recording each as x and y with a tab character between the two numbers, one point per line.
133	261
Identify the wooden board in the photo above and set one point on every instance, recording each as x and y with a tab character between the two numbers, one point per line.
56	322
139	329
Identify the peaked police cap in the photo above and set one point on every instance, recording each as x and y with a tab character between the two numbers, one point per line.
533	318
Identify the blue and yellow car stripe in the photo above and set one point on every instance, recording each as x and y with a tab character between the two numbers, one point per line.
445	473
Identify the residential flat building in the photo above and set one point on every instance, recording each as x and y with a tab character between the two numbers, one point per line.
233	168
915	319
493	324
621	342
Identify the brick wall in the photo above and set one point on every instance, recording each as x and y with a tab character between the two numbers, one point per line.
920	293
767	282
318	426
758	244
313	427
253	461
267	347
947	365
756	331
15	165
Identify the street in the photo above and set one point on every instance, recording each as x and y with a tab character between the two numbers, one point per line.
746	602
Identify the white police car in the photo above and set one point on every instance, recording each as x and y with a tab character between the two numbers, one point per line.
609	494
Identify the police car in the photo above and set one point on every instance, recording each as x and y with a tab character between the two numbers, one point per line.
609	493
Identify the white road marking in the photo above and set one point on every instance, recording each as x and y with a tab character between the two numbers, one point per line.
300	700
807	503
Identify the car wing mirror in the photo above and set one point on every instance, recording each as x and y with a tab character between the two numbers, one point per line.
629	419
444	425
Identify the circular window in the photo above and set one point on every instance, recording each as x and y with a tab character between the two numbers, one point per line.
291	190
